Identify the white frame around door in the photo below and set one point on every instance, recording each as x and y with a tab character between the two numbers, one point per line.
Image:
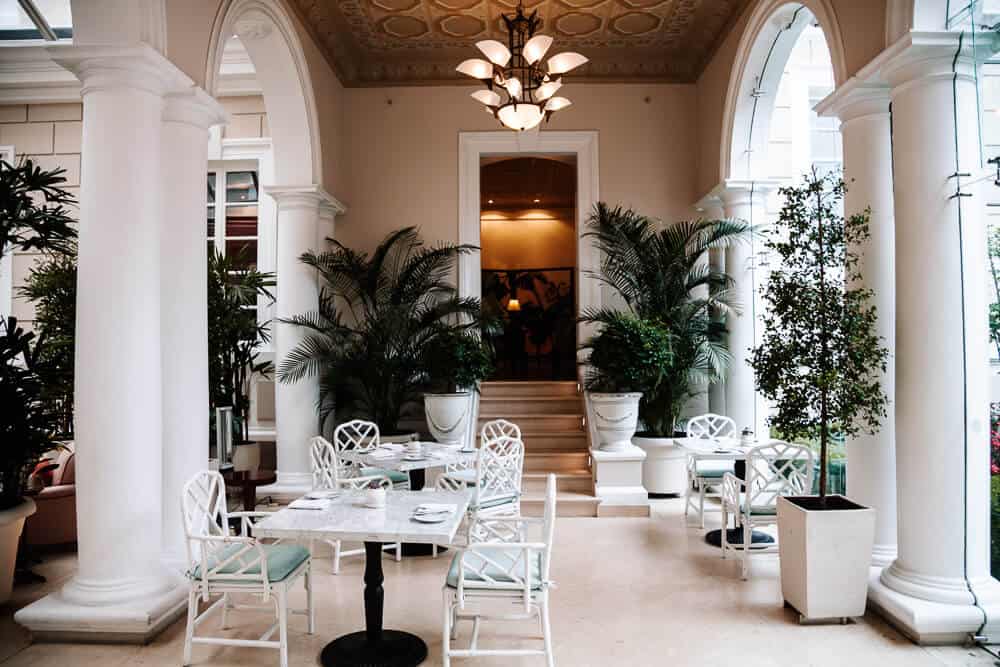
472	146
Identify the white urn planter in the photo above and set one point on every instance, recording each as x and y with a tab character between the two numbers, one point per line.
448	416
616	417
664	472
11	524
825	556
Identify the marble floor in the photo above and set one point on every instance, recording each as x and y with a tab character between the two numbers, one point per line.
630	592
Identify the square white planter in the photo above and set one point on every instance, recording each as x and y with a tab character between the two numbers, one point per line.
825	556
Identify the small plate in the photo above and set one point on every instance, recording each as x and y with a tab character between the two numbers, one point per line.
431	518
416	457
322	495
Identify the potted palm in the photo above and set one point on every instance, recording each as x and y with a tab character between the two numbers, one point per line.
377	312
662	274
33	216
628	354
819	362
456	361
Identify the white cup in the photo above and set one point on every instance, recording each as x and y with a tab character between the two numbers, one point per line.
413	448
375	498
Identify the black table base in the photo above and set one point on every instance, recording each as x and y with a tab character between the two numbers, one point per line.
374	647
418	479
734	536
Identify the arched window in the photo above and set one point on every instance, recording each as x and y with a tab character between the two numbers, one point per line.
35	20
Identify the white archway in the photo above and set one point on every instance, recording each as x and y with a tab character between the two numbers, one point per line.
770	35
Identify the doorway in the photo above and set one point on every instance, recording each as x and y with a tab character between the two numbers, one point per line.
528	264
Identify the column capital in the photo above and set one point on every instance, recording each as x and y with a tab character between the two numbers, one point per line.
306	197
733	192
857	98
193	107
113	67
921	57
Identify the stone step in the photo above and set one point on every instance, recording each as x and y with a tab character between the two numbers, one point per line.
559	423
559	461
578	481
531	405
567	504
511	389
554	440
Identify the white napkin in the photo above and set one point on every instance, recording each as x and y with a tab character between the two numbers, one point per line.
435	508
382	454
307	504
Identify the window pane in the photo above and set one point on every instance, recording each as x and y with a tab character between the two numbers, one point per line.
211	247
241	186
211	222
241	221
56	12
243	253
211	187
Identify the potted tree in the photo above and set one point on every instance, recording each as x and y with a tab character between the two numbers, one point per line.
662	274
376	314
235	336
33	216
819	362
627	355
456	361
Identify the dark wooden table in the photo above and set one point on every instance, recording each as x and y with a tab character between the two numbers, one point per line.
249	481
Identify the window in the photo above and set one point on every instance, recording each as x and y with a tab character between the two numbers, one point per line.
49	20
232	214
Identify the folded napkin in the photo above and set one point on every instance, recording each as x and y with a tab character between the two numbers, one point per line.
435	508
307	504
382	453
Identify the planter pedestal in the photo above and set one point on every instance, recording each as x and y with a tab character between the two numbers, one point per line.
665	469
11	525
618	482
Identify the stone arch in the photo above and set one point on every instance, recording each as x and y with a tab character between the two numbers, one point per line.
272	43
771	33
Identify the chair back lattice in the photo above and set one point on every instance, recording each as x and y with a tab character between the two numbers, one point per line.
499	428
711	426
325	466
549	527
215	555
777	469
356	435
499	467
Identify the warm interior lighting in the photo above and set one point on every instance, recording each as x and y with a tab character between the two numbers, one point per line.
514	88
536	47
476	68
557	103
495	51
547	90
520	116
513	306
487	97
564	62
537	200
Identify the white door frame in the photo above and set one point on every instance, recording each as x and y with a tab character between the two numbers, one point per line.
583	144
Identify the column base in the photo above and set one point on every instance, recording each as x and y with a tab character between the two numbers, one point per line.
931	622
883	555
55	618
618	482
290	485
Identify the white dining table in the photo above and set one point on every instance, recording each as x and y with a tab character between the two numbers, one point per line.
347	518
721	449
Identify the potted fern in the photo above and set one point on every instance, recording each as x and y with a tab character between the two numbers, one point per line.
627	356
34	215
819	362
456	361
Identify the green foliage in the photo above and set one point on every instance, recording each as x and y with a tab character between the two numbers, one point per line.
993	253
51	286
376	315
995	525
629	353
33	209
456	360
234	334
663	274
820	356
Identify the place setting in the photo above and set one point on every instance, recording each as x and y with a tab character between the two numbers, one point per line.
433	512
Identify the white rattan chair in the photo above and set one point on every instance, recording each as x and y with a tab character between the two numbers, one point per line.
705	473
359	435
224	564
465	472
500	565
326	476
772	470
499	469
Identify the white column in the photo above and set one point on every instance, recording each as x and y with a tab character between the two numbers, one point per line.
939	587
711	209
184	303
120	590
300	212
744	200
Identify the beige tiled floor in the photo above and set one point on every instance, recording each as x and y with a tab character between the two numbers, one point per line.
630	592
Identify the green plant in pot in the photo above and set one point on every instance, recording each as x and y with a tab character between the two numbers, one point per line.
820	363
377	312
662	273
235	336
34	216
628	356
456	360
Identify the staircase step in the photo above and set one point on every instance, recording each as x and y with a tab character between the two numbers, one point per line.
555	440
567	504
513	389
579	481
563	423
532	405
559	461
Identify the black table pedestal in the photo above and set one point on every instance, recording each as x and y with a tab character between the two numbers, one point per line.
418	479
374	647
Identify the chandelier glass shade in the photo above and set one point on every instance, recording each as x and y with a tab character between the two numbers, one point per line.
519	90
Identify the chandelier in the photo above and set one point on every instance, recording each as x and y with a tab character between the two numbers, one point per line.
519	91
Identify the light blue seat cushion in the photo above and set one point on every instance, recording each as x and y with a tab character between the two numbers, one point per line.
282	560
713	469
467	476
760	510
498	555
394	476
495	501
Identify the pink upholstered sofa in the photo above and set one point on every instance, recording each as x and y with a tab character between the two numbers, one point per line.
54	522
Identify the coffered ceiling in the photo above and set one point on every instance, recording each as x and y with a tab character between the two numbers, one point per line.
387	42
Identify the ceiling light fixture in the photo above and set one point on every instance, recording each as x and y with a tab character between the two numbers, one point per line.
518	89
